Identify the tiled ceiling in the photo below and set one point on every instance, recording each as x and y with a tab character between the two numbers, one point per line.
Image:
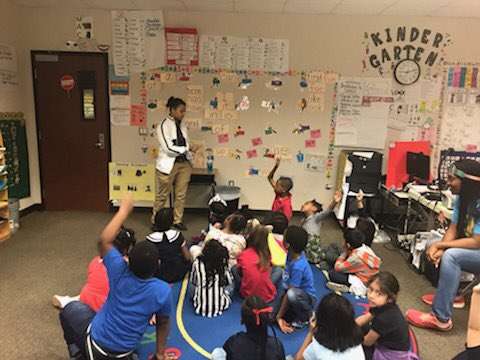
455	8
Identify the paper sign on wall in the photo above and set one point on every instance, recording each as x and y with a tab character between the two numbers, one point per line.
310	143
84	27
138	115
221	152
256	141
168	77
195	100
192	122
315	134
228	77
138	179
315	162
251	154
220	129
223	138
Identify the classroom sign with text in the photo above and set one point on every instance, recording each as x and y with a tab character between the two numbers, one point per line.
384	48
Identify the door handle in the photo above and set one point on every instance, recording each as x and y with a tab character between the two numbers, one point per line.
101	141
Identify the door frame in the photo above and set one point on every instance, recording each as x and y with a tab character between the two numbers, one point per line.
102	55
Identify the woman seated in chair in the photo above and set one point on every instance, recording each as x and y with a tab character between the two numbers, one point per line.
458	251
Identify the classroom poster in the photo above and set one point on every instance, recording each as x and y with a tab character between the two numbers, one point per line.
363	107
138	179
138	41
182	46
84	27
8	68
229	52
315	162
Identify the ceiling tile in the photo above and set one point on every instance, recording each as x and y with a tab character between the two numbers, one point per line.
110	4
267	6
415	7
310	6
209	5
459	8
159	4
362	7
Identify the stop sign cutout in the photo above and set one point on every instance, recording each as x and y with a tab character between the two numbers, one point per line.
67	82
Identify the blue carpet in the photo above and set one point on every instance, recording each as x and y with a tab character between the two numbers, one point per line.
209	333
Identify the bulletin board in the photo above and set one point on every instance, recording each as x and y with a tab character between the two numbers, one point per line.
14	135
271	119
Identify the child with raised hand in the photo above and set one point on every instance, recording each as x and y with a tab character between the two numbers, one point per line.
211	281
173	254
255	344
298	298
312	223
388	337
95	291
281	187
333	334
230	236
254	274
135	296
355	266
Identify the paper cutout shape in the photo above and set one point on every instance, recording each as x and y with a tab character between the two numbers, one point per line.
271	105
300	129
315	162
300	156
471	148
315	134
221	152
303	83
256	141
192	122
302	103
245	82
152	104
229	115
253	171
268	153
168	77
223	138
229	77
213	103
310	143
184	76
215	82
225	100
153	151
244	104
269	130
316	76
238	131
251	153
274	84
236	154
220	129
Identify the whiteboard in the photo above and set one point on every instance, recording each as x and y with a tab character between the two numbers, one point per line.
362	112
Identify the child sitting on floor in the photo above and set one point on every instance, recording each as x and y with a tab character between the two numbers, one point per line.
298	297
355	266
95	291
230	236
211	282
255	344
281	187
173	254
388	337
276	222
254	274
312	223
333	335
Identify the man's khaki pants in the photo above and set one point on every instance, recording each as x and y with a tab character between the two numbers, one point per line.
178	178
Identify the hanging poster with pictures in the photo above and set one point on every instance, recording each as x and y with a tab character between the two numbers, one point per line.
182	46
138	179
314	162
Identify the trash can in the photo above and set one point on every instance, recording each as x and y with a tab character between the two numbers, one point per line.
14	210
231	195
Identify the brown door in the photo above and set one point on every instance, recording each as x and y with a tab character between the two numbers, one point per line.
73	129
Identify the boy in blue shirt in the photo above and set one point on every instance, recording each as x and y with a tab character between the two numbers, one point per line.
298	298
135	296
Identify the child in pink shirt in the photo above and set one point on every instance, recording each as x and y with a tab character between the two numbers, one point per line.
282	187
95	291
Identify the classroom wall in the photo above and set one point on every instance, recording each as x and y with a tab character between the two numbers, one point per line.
316	42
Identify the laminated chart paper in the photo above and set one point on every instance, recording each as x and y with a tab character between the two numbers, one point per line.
182	46
139	179
138	41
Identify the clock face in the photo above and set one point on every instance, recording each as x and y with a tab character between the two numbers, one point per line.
407	72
